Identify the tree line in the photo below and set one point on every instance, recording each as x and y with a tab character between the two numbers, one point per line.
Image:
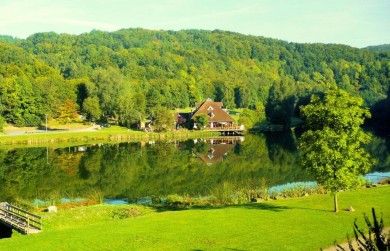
131	75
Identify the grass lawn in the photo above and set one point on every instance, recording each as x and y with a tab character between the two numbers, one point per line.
292	224
113	134
235	113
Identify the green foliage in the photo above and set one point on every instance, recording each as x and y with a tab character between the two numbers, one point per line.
131	110
379	48
128	212
176	70
163	119
8	39
201	120
376	239
67	112
297	191
336	110
252	118
175	201
2	123
92	109
332	147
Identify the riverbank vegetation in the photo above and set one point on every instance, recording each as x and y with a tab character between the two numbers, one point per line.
250	226
105	135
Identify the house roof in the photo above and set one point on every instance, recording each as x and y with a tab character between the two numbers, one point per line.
213	110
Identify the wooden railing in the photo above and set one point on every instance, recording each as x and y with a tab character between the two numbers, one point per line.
20	219
227	128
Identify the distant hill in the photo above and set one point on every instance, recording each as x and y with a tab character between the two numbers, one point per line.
129	73
8	39
379	48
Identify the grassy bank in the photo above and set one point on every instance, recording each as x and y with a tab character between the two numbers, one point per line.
292	224
112	134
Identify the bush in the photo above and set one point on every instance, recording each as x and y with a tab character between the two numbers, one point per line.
175	201
252	118
91	108
2	123
297	189
375	240
163	119
201	121
124	213
228	194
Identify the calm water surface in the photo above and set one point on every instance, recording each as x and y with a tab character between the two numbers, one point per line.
145	169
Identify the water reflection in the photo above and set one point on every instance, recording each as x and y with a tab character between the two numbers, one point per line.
215	150
140	170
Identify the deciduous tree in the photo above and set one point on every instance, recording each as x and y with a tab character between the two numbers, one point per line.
332	147
163	119
91	108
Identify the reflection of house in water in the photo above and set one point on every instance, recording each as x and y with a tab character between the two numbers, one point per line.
81	149
216	149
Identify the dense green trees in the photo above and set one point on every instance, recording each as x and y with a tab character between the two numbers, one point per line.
91	108
163	119
252	118
332	148
176	69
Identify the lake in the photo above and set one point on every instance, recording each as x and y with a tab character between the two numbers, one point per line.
135	171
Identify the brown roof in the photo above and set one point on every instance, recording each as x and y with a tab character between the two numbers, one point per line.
214	111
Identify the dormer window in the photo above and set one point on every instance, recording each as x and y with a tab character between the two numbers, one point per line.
210	108
212	115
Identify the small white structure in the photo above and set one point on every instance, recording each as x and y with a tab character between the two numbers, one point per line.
52	209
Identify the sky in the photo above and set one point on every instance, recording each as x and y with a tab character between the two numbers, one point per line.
358	23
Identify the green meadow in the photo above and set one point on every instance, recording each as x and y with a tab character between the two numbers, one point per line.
305	223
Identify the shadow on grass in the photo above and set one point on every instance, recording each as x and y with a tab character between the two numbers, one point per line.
313	209
258	206
234	249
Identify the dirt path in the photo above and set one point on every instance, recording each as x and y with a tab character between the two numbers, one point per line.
34	130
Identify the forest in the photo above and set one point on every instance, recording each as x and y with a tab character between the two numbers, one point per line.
131	75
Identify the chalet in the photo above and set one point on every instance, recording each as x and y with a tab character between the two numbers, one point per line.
217	116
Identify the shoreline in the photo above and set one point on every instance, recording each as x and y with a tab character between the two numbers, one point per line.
114	134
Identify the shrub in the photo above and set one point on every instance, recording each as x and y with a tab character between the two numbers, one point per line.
163	119
2	123
297	189
201	121
375	240
124	213
175	201
91	108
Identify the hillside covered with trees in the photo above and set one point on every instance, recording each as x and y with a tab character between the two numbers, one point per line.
129	74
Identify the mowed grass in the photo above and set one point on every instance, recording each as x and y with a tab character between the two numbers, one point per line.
111	134
292	224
